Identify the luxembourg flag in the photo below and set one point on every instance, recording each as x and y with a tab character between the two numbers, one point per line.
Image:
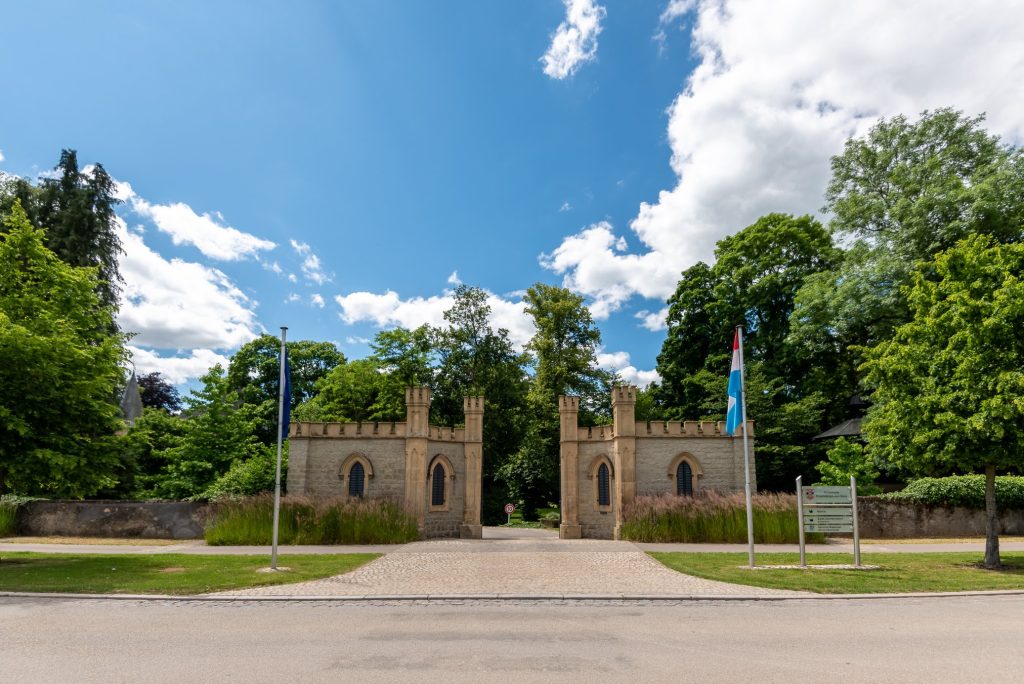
734	413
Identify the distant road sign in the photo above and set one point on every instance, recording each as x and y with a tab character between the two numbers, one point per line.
509	509
826	495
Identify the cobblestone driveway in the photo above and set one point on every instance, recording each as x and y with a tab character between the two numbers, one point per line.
536	566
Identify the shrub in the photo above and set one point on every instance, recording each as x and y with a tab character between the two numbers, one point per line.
9	504
847	458
710	517
309	520
961	490
249	477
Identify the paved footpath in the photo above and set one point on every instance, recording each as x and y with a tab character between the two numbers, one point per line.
539	566
506	563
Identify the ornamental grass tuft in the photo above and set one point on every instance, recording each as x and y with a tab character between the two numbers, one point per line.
711	517
310	520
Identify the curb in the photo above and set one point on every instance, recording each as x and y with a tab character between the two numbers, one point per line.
499	598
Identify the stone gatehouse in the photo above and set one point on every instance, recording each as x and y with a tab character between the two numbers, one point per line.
435	471
605	467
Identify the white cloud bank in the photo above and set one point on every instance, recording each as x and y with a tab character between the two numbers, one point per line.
176	304
176	370
754	128
628	373
574	43
388	309
206	232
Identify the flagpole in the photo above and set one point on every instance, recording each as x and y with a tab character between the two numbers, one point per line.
280	441
746	451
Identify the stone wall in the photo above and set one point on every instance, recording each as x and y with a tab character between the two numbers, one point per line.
397	459
132	519
322	467
879	519
596	523
445	523
720	464
643	457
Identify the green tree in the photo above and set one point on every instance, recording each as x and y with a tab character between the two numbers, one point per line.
792	389
899	195
255	372
948	387
846	459
220	432
357	391
143	452
564	350
59	372
76	209
473	358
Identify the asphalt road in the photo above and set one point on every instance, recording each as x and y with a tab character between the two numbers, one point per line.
956	639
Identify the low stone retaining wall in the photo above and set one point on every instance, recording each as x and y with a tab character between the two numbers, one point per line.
881	519
144	519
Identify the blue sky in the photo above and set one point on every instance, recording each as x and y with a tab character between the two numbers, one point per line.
337	166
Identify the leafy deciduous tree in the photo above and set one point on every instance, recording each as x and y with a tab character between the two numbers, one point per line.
948	387
59	372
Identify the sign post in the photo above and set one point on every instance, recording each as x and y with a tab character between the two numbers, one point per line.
827	509
509	509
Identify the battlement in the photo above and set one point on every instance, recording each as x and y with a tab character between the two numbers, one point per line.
568	404
439	433
371	430
366	430
623	394
687	428
596	433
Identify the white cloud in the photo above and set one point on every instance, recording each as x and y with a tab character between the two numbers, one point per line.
292	278
311	267
388	309
273	267
178	304
759	118
575	41
176	369
653	320
673	11
453	279
628	373
594	264
357	340
206	232
292	298
317	300
1	155
565	206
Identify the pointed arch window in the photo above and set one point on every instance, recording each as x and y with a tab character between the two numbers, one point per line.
437	486
356	480
604	493
684	479
355	474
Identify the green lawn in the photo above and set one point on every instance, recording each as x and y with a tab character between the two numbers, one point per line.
900	572
162	573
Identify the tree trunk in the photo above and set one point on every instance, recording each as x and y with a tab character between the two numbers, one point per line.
991	521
